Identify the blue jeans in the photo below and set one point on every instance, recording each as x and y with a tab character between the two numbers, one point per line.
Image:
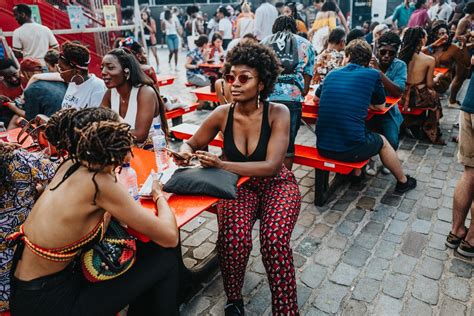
295	123
388	125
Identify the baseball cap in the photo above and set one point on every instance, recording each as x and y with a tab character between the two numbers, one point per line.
30	64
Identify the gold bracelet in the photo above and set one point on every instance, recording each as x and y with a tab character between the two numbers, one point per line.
155	199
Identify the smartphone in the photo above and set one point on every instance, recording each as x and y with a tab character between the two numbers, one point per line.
174	153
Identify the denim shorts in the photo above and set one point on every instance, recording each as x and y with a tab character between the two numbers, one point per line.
172	41
371	147
295	123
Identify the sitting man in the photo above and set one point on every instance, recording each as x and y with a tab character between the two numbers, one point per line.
10	87
40	97
393	73
346	95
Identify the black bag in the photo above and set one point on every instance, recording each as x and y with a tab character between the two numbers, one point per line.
203	181
286	48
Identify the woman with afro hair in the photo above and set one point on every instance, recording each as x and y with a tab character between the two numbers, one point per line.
256	135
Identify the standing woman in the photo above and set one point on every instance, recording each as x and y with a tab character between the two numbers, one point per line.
131	94
256	135
245	21
170	25
149	28
70	216
23	175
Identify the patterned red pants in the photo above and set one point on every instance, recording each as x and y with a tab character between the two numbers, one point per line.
276	202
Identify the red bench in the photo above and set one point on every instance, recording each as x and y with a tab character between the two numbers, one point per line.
176	115
304	155
164	80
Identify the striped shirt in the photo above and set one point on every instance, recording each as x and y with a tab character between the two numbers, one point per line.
345	96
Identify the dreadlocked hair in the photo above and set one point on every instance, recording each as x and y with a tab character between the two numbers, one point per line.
411	43
65	126
57	129
103	144
284	23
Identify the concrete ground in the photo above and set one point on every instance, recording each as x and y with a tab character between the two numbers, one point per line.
368	251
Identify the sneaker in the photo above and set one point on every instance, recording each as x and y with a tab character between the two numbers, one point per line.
455	105
466	249
371	167
385	170
407	186
234	308
453	241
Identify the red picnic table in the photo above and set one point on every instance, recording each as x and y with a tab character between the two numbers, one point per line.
11	136
184	207
212	65
205	94
440	70
164	80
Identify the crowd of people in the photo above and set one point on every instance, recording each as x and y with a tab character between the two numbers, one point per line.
273	58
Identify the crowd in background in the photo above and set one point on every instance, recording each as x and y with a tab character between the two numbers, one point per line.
274	57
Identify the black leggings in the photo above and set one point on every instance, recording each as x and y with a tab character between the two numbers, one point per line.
150	287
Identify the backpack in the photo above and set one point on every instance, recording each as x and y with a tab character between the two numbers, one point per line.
286	48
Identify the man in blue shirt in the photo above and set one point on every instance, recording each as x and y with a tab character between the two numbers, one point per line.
402	14
393	72
460	237
291	87
346	95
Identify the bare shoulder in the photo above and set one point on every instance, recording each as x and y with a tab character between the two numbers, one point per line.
278	109
148	93
220	112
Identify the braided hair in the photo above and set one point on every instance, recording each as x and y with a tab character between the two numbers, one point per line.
284	23
411	44
102	144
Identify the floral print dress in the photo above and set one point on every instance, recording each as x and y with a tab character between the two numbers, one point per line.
26	171
328	60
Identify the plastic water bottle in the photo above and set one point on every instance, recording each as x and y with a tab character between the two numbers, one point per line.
128	178
159	146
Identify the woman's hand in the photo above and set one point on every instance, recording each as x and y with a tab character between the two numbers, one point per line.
208	160
156	187
179	161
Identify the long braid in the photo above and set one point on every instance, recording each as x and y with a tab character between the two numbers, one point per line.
411	43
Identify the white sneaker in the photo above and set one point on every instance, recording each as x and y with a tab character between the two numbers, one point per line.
371	167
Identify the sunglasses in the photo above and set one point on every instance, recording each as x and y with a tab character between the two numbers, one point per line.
58	68
384	52
241	78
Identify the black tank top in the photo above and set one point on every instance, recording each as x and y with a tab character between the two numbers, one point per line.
231	151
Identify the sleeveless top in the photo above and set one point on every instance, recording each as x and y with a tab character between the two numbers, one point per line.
131	114
231	151
65	253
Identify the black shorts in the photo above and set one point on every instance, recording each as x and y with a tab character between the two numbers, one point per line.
371	147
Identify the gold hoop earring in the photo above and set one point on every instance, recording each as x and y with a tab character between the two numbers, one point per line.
258	101
77	75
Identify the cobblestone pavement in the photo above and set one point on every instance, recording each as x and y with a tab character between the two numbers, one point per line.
369	251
